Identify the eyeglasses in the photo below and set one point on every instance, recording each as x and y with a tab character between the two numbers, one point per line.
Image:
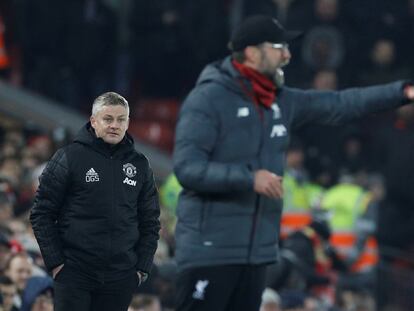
279	46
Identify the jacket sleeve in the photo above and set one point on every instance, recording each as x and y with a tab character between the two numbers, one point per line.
197	133
47	204
148	223
338	107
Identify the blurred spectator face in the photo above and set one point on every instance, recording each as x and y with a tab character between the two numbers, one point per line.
284	4
6	208
110	123
8	292
142	302
154	306
15	136
406	113
19	270
5	253
18	229
8	149
29	160
326	9
270	306
10	168
311	304
353	147
383	53
295	158
43	302
325	80
42	147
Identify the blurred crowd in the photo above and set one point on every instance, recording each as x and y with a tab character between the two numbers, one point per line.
74	50
71	51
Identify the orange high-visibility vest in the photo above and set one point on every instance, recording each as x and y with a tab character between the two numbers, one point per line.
346	203
344	242
4	59
296	206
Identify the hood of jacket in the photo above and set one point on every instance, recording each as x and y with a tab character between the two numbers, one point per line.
86	136
224	73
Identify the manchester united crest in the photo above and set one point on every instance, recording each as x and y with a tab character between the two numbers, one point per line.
129	170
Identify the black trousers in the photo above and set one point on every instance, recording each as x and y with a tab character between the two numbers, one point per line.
221	288
75	291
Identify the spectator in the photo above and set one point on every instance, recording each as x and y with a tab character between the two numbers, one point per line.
38	294
8	291
5	252
145	303
19	269
325	80
6	208
384	65
270	301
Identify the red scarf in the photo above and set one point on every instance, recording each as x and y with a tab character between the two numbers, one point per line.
264	91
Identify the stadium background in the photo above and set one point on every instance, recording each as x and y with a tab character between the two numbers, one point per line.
59	55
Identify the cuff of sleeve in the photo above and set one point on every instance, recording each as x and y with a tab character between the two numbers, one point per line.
53	262
144	263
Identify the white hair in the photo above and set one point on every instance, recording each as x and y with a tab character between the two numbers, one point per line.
109	99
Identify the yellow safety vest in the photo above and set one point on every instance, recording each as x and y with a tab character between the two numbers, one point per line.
296	206
346	203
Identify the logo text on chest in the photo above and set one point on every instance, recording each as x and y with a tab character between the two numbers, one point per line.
91	175
278	130
130	182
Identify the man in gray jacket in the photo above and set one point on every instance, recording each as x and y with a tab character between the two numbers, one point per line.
230	144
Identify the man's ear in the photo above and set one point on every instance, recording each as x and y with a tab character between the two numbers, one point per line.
252	56
93	121
250	53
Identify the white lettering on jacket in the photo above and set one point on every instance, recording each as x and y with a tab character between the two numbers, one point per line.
243	112
130	182
278	130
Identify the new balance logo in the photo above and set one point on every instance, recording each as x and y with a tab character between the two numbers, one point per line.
276	111
243	112
200	289
130	181
91	176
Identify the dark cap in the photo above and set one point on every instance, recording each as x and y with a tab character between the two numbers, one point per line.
257	29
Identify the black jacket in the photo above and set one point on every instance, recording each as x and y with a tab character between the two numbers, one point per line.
96	208
221	139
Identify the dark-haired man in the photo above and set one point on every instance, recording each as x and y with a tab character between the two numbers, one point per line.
229	152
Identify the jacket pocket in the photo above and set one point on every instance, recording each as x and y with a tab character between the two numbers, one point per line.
226	225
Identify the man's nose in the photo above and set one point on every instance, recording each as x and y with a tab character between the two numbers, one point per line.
286	54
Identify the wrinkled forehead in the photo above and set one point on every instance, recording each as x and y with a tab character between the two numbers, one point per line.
114	111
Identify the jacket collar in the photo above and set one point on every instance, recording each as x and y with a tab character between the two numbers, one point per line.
86	136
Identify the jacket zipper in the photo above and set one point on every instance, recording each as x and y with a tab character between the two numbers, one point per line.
257	206
111	220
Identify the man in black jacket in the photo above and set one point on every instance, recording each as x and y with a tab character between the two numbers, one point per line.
230	143
95	215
